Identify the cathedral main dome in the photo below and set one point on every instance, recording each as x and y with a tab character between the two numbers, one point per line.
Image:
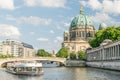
81	20
80	32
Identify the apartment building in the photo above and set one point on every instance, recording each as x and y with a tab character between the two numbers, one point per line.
17	48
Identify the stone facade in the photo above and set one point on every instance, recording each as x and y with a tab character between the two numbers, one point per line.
75	63
106	56
110	51
111	65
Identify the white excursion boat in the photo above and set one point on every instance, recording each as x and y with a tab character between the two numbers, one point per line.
25	68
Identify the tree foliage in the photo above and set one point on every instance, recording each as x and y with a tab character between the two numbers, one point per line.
43	53
63	52
112	33
6	56
72	56
81	55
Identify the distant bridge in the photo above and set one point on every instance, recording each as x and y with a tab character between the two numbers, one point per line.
61	60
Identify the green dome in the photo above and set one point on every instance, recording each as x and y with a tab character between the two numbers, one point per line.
81	20
102	26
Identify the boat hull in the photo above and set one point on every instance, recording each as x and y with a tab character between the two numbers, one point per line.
25	73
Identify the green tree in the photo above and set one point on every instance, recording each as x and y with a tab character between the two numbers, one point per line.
117	33
9	55
43	53
109	33
112	33
63	52
81	55
72	56
6	56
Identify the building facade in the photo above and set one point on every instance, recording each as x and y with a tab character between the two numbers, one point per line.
106	56
108	51
80	31
16	48
28	50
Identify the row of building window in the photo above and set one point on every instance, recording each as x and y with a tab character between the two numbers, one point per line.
81	34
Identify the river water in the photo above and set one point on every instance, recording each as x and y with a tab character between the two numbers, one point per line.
63	73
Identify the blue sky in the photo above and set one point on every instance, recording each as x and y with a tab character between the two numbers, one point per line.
42	23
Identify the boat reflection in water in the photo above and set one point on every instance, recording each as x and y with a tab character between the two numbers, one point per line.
25	68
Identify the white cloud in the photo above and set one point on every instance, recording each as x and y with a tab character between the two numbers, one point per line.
42	39
46	3
104	17
52	32
66	24
32	33
7	4
93	4
108	6
101	17
9	31
60	28
35	20
55	41
31	20
58	39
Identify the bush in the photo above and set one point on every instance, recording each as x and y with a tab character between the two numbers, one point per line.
72	56
81	55
43	53
63	52
6	56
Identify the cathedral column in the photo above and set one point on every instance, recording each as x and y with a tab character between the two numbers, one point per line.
82	34
79	33
69	48
76	33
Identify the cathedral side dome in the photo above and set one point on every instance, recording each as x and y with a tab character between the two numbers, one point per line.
102	26
81	20
67	32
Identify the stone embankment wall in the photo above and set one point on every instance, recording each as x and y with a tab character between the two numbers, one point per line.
74	63
112	65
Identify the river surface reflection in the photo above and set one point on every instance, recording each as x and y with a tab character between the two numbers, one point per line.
63	73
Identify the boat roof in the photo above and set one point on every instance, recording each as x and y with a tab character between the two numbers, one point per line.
28	65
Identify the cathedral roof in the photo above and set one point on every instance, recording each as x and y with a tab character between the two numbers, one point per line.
66	32
102	26
81	20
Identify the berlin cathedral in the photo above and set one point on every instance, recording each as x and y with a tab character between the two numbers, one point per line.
80	31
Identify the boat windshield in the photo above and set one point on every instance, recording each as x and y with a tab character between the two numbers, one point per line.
24	69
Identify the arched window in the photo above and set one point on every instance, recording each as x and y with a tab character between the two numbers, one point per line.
89	34
83	33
